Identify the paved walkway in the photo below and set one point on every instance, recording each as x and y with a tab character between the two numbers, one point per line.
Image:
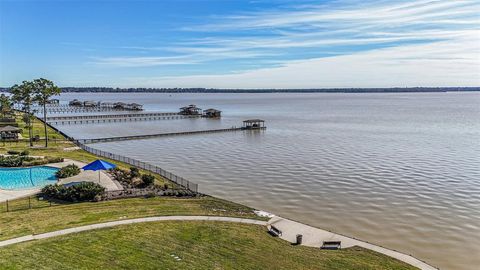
314	237
125	222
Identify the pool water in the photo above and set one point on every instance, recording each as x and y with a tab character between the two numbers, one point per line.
26	178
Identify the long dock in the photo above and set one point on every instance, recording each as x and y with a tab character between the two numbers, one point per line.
149	136
113	118
74	109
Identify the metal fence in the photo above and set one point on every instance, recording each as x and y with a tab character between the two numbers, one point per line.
146	166
30	202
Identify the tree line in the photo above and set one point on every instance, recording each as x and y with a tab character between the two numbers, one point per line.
263	90
26	94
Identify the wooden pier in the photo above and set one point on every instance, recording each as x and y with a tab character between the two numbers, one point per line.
74	109
149	136
113	118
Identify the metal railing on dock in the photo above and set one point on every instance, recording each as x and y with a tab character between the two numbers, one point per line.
113	118
148	136
146	166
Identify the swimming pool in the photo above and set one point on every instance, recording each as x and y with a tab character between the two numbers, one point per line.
26	178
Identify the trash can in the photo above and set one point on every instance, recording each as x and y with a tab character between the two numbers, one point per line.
299	239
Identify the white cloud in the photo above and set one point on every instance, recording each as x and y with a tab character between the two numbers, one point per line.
435	64
376	43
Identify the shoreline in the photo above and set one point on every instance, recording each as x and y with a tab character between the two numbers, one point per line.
299	226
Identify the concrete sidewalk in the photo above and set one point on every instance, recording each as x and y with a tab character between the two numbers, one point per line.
125	222
314	237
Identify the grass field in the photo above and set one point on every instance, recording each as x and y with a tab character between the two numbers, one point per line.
198	244
45	219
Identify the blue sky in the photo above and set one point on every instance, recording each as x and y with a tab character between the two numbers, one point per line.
241	44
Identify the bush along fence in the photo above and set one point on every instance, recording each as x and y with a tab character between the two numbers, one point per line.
140	164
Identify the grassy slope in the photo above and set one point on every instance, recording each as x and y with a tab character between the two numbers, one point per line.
200	245
40	220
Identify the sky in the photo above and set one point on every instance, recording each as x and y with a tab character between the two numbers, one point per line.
241	44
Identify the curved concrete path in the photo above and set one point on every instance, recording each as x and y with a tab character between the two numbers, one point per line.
312	237
125	222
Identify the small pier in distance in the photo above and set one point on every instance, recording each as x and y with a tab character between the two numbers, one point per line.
114	118
251	124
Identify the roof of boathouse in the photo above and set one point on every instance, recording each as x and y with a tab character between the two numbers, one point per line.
10	129
212	110
253	120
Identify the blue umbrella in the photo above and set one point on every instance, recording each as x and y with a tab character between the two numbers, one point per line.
98	165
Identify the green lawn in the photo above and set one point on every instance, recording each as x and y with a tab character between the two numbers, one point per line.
45	219
198	244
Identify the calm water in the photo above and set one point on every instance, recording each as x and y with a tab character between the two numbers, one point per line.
399	170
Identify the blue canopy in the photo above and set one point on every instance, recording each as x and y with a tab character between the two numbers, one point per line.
99	165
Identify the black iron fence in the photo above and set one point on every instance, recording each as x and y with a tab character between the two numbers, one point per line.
146	166
30	202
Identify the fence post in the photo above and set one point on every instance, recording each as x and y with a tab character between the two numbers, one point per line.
7	204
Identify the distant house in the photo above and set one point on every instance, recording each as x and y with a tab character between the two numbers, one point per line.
119	105
75	102
212	113
53	101
254	124
191	109
89	104
9	133
134	107
106	104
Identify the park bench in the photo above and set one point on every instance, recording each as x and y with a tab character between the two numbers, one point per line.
332	245
274	231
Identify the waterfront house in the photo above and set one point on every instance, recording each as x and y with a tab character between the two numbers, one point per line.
191	109
254	124
212	113
89	103
106	104
75	102
53	101
9	133
119	105
134	107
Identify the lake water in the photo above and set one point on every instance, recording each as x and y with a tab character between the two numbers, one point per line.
400	170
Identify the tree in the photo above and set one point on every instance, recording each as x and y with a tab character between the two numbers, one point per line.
5	105
43	91
22	94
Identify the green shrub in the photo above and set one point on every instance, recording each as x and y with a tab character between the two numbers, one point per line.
148	179
54	159
11	161
85	191
34	162
134	172
68	171
121	175
18	159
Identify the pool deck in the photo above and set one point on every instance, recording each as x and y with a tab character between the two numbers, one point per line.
87	176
